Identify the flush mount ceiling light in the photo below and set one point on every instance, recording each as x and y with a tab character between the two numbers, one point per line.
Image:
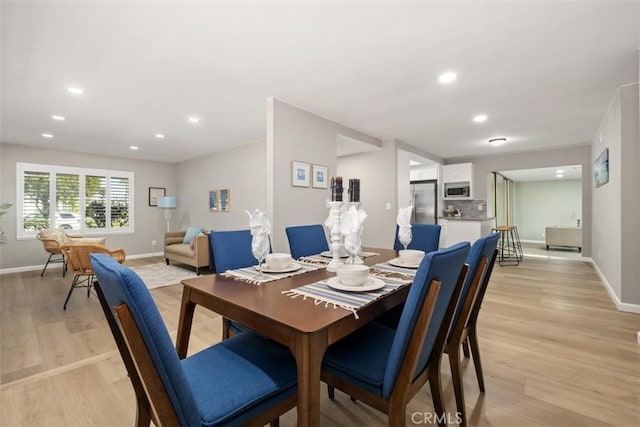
75	90
59	118
447	77
159	136
497	141
193	119
133	147
560	171
559	175
47	135
480	118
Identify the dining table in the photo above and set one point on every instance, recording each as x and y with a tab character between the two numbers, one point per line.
304	326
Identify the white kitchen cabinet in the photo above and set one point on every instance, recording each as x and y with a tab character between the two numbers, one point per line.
461	230
461	172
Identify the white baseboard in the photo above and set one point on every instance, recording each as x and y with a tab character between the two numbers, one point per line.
59	265
621	306
541	242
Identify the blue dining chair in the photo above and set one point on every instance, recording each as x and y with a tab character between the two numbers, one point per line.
305	240
231	250
480	261
424	237
386	367
246	379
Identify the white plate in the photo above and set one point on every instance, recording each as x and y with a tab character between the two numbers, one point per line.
292	267
399	263
328	254
372	284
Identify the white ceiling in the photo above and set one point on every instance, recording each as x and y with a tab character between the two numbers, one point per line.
544	72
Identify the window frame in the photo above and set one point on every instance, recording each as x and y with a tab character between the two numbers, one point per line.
53	170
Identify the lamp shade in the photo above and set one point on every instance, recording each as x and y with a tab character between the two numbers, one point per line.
167	202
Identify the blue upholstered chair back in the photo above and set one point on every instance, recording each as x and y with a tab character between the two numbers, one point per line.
305	240
232	249
483	247
122	285
425	237
444	265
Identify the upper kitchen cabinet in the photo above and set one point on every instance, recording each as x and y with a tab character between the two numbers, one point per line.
457	181
461	172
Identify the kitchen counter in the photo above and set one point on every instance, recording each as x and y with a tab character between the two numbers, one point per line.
464	218
459	228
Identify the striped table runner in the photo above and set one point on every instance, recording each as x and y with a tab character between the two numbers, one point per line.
250	274
323	260
385	268
322	293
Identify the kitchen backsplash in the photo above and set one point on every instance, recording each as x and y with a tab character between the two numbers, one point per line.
468	208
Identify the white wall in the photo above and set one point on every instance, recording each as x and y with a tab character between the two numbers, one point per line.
542	204
295	134
242	170
149	221
615	205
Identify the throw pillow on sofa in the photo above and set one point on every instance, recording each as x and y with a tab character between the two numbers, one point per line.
191	233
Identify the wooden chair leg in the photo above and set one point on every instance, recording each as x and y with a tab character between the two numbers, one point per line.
465	347
275	423
331	391
143	414
397	416
458	389
475	351
225	328
435	384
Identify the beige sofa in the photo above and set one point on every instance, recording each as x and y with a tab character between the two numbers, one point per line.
195	254
564	236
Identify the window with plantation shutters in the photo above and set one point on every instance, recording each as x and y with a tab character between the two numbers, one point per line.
83	200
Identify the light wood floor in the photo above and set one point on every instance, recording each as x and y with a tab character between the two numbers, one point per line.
555	352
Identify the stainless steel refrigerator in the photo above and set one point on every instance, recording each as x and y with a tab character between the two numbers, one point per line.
424	196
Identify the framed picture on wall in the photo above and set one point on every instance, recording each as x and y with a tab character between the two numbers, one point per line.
300	174
601	168
225	200
154	193
319	174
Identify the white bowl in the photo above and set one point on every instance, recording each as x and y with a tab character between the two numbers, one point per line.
411	256
278	261
352	274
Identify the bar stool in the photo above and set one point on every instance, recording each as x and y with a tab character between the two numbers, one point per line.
509	246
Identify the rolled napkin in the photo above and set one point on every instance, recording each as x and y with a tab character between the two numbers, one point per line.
351	221
404	225
260	230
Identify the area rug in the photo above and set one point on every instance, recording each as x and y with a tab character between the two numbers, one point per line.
160	274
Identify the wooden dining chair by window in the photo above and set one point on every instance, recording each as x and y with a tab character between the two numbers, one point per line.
386	367
231	250
480	260
245	380
77	259
424	237
305	240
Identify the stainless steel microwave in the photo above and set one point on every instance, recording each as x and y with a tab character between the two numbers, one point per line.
459	189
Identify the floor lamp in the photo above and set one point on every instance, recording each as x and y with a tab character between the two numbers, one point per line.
167	203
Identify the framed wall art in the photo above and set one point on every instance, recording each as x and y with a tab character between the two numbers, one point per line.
154	193
300	174
319	174
224	200
601	168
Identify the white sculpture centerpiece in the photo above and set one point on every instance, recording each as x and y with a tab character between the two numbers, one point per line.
260	230
404	225
351	229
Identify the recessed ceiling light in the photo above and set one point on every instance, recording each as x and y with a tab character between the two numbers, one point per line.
159	136
133	147
559	175
497	141
59	118
480	118
447	77
47	135
560	171
193	119
75	90
414	162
